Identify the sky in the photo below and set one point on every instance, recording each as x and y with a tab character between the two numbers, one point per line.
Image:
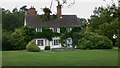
81	8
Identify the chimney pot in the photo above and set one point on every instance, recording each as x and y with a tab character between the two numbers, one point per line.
59	10
32	11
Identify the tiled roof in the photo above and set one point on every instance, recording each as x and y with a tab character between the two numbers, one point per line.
65	21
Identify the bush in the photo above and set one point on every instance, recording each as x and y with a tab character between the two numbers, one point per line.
32	47
22	36
85	45
94	41
7	43
47	47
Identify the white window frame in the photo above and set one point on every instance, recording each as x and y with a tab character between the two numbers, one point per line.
42	42
38	29
56	42
69	29
57	30
69	41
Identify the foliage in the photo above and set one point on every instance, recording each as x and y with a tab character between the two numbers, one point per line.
32	47
105	21
109	29
12	20
22	36
94	41
75	37
6	40
46	33
63	38
63	30
76	29
45	10
47	47
46	16
75	34
118	40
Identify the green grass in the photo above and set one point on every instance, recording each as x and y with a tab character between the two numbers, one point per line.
0	58
61	58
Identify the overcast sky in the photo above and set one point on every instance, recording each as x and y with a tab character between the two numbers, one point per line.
82	8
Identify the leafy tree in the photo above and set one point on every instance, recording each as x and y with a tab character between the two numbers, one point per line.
75	34
12	20
7	40
94	41
105	21
22	36
46	10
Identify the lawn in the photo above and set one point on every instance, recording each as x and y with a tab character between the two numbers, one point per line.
61	58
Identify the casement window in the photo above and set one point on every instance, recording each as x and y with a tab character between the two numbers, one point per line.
38	29
56	42
56	30
69	41
40	42
69	29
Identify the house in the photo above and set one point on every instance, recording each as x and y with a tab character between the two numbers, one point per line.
68	21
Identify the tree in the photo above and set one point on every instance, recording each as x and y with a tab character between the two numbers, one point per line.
46	10
105	21
22	36
7	43
92	40
12	20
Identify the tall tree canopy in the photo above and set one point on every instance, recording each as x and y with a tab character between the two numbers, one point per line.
106	20
12	20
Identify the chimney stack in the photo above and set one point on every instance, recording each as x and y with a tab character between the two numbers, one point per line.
32	11
59	10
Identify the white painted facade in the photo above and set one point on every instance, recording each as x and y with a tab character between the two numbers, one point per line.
25	22
45	42
55	42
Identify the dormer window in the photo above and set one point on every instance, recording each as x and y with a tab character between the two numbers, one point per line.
38	29
69	29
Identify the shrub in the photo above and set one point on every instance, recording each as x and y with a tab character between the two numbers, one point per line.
85	45
32	47
22	36
7	43
47	47
94	41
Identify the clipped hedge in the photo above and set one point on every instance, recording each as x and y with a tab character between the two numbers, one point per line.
94	41
32	47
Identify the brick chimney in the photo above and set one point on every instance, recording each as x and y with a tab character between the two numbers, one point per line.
59	10
32	11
